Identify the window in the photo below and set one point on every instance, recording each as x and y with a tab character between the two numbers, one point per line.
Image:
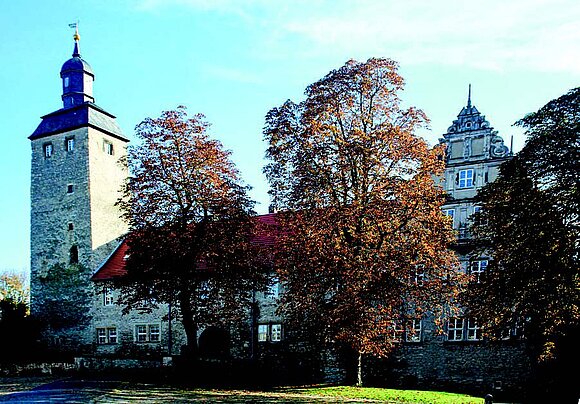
419	275
276	334
69	188
47	150
71	226
147	333
108	148
414	331
269	332
450	213
274	289
477	268
74	255
263	332
154	333
66	82
107	335
465	178
455	329
69	144
476	209
398	331
108	299
473	330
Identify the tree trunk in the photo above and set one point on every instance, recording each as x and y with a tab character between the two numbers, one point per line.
359	370
189	324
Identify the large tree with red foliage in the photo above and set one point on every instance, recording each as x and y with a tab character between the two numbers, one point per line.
191	226
365	243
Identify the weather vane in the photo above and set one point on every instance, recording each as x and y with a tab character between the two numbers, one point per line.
75	25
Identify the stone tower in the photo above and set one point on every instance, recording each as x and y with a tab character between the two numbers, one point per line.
474	153
76	177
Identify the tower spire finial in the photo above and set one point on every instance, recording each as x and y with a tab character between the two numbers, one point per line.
76	37
469	97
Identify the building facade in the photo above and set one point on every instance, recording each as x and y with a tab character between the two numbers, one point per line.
76	229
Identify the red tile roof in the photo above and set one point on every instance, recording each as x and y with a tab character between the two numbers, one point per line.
114	266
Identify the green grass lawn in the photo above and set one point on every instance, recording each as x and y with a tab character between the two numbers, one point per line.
389	395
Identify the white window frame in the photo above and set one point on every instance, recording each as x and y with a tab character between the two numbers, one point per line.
419	276
108	148
398	331
270	332
108	298
276	332
147	333
70	144
48	150
455	330
466	178
473	330
262	332
478	267
107	335
414	331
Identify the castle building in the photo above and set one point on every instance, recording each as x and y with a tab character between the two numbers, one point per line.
75	182
77	247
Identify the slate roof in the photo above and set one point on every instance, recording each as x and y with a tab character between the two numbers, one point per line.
86	114
114	266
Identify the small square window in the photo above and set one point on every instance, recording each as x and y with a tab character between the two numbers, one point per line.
276	334
141	333
465	178
107	335
69	189
48	150
455	329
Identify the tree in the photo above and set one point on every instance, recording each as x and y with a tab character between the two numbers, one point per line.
529	225
190	225
18	332
13	288
364	245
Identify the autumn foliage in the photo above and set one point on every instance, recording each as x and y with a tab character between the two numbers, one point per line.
191	226
364	249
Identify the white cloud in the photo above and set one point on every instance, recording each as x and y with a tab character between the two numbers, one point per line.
494	34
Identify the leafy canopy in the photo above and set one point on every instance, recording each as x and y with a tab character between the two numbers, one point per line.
191	225
365	242
529	223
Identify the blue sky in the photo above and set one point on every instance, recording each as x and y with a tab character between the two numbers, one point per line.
235	60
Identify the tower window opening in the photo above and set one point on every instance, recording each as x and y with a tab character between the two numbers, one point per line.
71	226
70	144
108	148
66	82
69	188
74	255
48	150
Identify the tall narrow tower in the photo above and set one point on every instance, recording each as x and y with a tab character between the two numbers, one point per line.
76	180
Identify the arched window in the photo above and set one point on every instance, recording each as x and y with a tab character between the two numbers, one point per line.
74	255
